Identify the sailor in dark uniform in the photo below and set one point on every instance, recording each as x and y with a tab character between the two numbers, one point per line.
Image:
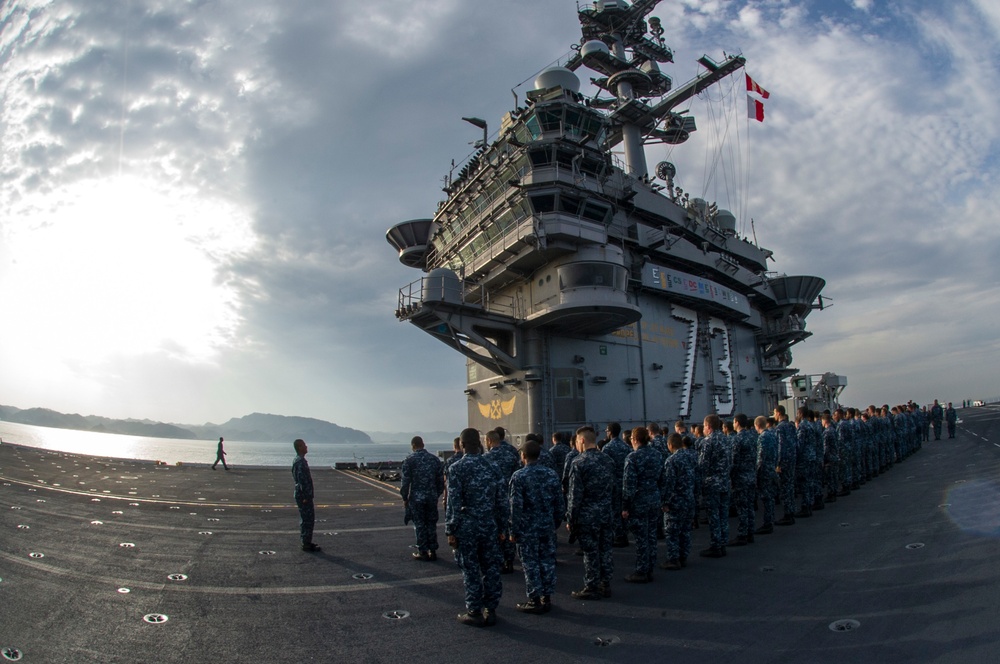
537	507
421	488
951	417
304	495
475	522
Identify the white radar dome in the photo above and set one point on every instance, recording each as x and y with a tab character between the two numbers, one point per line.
727	222
594	46
558	77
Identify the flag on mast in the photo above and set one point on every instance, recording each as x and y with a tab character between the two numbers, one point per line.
752	86
755	109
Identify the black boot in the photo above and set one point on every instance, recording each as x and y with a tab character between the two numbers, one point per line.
473	618
533	605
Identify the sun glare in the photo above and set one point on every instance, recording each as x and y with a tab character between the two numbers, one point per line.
116	268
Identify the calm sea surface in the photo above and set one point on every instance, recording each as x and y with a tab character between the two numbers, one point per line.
171	450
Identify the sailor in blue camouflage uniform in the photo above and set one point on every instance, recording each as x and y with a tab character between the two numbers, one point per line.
537	507
476	519
744	479
805	457
845	450
588	513
617	449
767	475
787	451
951	418
899	428
421	488
831	460
641	505
867	437
657	439
817	470
678	500
716	463
559	450
507	460
304	495
448	464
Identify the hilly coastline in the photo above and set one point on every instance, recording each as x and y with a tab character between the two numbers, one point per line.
256	427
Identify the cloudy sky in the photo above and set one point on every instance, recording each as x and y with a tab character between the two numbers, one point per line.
194	194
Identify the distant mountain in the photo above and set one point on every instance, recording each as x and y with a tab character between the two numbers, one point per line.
258	427
264	428
43	417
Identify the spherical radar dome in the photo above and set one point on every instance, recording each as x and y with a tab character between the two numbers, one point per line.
594	46
558	77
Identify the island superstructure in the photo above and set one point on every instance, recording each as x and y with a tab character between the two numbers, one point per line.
582	289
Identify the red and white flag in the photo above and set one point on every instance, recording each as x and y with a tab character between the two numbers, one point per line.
756	89
755	109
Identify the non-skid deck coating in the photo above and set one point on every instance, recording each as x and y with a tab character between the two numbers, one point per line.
105	560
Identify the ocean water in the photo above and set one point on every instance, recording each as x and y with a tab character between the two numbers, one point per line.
170	450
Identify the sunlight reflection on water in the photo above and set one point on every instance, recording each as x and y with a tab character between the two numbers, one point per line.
172	450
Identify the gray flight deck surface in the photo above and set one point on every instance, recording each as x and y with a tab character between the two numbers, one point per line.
250	594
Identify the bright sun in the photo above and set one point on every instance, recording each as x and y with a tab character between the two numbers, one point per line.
112	269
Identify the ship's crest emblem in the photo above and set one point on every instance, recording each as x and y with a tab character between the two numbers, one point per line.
496	408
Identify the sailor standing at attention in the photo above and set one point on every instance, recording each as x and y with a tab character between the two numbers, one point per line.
421	488
617	449
475	522
642	484
507	460
588	513
536	510
715	462
787	444
304	495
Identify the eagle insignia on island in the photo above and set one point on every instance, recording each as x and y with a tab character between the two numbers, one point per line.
496	408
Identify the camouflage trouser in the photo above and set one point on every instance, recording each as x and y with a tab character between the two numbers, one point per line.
786	488
831	474
307	520
767	489
480	560
678	529
744	499
598	565
803	482
846	466
617	522
538	559
508	551
859	467
816	478
425	518
937	429
717	505
643	526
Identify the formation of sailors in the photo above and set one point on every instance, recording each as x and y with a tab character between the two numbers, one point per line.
503	502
